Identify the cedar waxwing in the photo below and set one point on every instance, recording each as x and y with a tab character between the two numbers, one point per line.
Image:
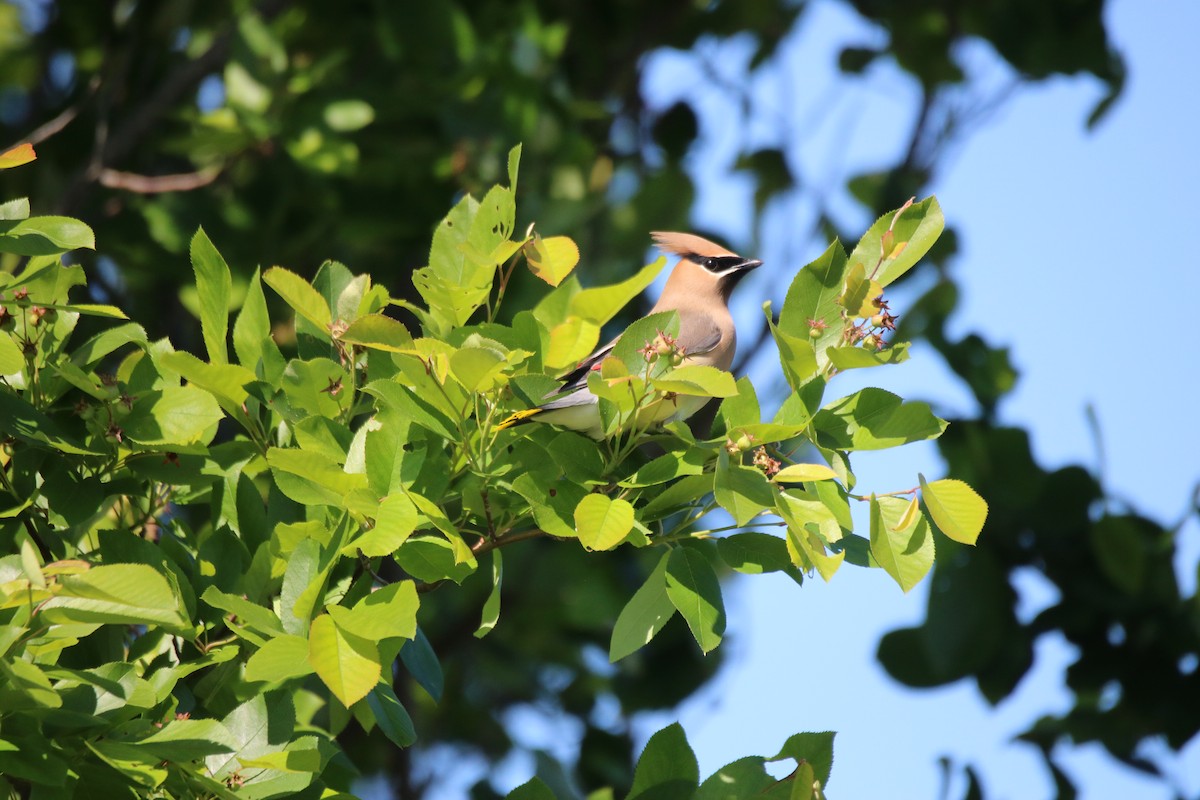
699	289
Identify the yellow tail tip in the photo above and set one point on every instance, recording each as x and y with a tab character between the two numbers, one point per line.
518	417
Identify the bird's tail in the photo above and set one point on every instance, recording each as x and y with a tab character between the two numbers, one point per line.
518	418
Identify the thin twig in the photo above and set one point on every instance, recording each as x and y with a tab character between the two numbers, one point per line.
158	184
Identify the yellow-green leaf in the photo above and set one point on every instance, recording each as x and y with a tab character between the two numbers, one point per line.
347	664
378	332
698	380
802	473
601	522
552	258
281	658
956	508
570	342
300	295
21	154
904	552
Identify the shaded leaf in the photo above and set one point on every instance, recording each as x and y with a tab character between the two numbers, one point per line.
694	591
643	616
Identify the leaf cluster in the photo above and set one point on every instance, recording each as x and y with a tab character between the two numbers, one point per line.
215	566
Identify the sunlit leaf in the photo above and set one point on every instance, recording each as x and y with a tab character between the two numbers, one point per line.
552	258
21	154
214	285
602	522
347	664
956	508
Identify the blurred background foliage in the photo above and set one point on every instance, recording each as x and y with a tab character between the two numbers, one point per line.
298	132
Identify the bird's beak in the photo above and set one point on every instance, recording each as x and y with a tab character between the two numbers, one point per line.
749	264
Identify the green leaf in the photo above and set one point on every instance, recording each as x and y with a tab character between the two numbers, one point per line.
430	559
378	332
905	553
491	606
300	295
391	716
386	613
803	473
742	491
667	768
699	380
348	115
44	236
669	466
813	296
20	419
312	478
478	369
856	357
25	687
227	382
744	778
422	663
281	658
796	356
740	409
811	748
136	765
956	508
552	258
347	664
214	285
184	740
913	232
175	415
252	328
693	589
89	309
643	616
570	342
119	594
601	522
754	552
14	209
874	419
804	514
600	304
454	285
413	406
261	725
395	521
1121	550
264	620
860	291
533	789
12	360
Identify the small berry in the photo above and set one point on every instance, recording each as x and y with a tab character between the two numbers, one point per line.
814	333
877	321
870	340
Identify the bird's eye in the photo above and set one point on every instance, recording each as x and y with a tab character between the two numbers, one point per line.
710	264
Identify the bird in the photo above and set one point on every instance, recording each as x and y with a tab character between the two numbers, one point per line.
698	289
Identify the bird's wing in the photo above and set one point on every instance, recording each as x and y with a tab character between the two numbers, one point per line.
577	378
698	333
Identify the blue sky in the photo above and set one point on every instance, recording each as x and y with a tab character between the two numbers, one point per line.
1076	254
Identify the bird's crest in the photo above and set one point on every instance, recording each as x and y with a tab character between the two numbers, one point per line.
687	244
